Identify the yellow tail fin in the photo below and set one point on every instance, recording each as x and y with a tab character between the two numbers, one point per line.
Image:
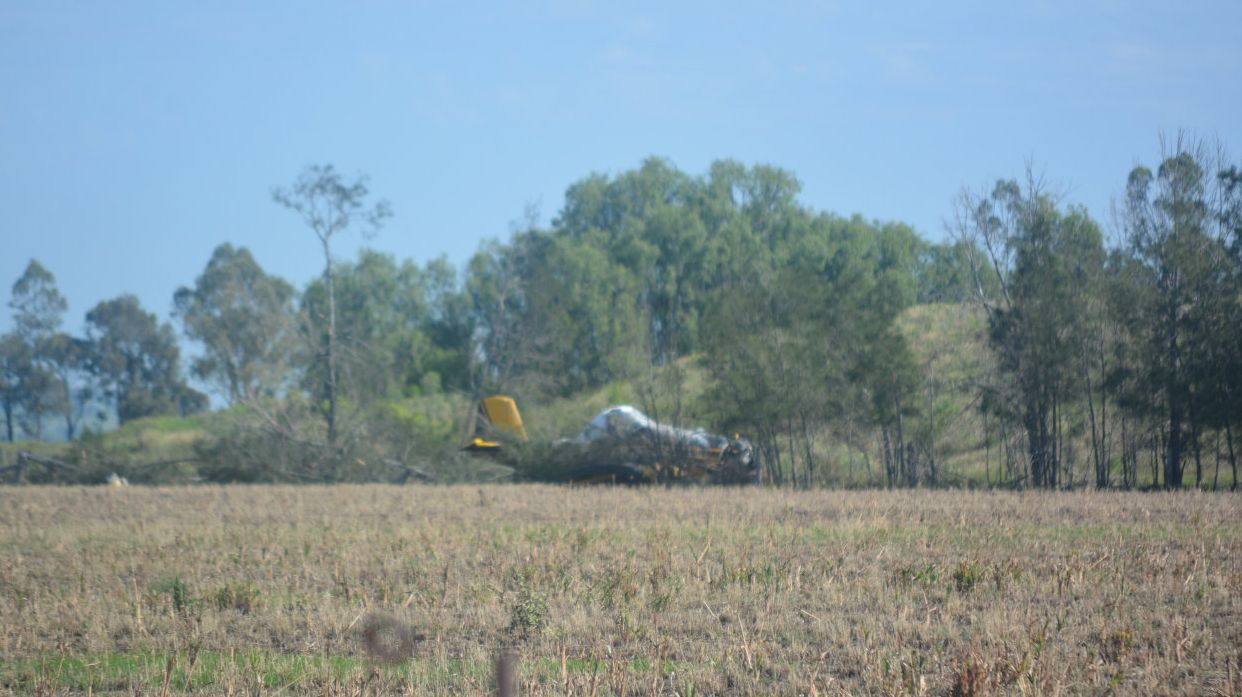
496	413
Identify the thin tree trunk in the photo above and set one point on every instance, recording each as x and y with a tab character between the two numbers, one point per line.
1155	445
1216	475
886	449
807	447
1173	395
772	449
1105	440
1003	457
1036	440
330	357
903	468
1195	445
987	452
1101	477
1233	460
1173	448
1056	441
849	451
793	453
1127	480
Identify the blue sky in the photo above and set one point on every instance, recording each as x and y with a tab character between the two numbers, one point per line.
137	136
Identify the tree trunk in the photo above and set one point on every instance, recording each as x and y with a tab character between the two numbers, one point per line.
330	348
1158	445
1233	460
1101	476
1173	447
1128	475
1004	459
807	447
1216	474
1105	440
987	451
1195	446
1174	399
849	451
1036	425
886	450
1055	470
900	451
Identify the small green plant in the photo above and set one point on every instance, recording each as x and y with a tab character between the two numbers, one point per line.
907	576
529	614
242	597
661	600
967	575
177	590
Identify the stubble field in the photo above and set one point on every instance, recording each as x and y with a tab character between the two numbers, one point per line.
393	590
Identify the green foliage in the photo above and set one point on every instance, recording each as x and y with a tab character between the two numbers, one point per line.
1041	330
836	344
136	361
1177	303
244	320
528	614
241	596
177	591
588	329
967	575
329	205
152	450
30	355
38	307
14	366
401	329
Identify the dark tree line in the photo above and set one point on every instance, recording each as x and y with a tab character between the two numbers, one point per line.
1136	346
1101	357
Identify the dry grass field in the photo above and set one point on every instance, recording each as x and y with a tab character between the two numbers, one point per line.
607	591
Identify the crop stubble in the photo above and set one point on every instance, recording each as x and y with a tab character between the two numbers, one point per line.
614	590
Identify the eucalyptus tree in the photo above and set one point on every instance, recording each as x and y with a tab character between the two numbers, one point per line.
1227	395
38	311
1183	308
244	319
1044	263
330	205
396	323
496	288
69	361
14	359
588	326
647	221
136	362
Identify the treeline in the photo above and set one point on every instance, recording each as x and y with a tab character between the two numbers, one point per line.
1102	358
1135	349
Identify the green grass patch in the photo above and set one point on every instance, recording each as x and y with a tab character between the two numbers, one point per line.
211	670
189	670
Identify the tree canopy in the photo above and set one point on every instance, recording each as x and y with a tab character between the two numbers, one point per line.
794	324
